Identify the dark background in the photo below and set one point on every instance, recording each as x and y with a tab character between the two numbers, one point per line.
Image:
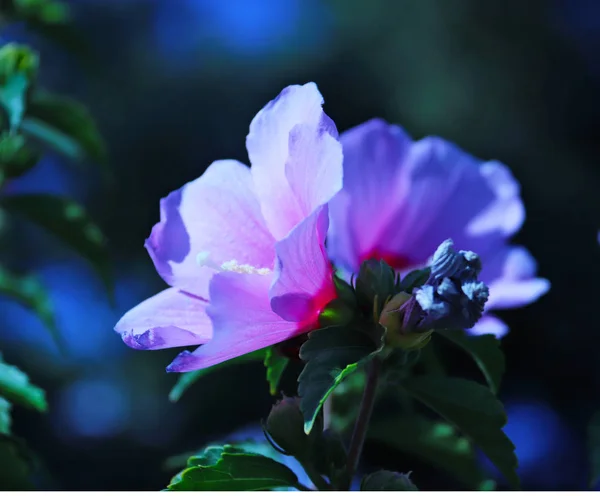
174	84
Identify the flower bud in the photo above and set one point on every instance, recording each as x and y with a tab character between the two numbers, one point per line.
285	425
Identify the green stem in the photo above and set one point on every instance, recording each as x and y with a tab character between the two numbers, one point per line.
362	421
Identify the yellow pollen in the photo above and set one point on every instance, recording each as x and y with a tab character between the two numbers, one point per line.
234	266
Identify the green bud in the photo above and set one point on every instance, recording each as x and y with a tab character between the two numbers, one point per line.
392	319
385	480
285	426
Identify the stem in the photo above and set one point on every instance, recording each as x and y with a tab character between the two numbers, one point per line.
315	477
362	421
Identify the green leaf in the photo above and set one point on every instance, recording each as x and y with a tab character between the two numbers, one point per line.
234	470
276	365
485	350
376	281
15	386
435	442
332	353
16	157
15	465
413	280
186	379
71	119
29	292
594	448
474	410
12	98
69	222
385	480
5	418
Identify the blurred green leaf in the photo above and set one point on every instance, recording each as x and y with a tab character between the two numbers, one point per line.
485	350
5	417
49	18
68	221
233	470
15	386
473	409
66	126
186	379
16	157
28	291
435	442
275	364
594	448
385	480
15	465
18	65
331	354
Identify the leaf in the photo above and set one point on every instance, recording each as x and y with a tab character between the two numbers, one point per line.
70	223
385	480
18	66
594	448
28	291
5	418
413	280
71	119
331	354
16	157
15	386
435	442
234	470
485	350
375	281
12	98
15	465
186	379
474	410
276	365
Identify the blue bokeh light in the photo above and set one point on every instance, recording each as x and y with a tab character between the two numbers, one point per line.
94	407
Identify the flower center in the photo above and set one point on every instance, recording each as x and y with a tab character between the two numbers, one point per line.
203	259
395	260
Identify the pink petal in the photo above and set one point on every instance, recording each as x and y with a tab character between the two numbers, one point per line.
303	282
218	214
168	319
488	324
295	156
510	275
242	321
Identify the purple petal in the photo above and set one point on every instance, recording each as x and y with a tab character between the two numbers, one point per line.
217	215
295	156
488	324
408	203
374	152
242	319
168	319
303	282
510	275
